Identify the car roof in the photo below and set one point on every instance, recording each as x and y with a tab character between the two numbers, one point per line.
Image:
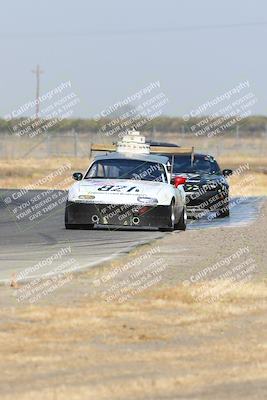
199	155
126	156
204	155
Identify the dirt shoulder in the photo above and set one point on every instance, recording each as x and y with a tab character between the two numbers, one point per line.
189	330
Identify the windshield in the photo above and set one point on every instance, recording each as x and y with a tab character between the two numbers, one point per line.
127	169
201	163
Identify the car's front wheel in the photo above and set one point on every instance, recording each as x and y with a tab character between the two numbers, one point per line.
171	220
224	211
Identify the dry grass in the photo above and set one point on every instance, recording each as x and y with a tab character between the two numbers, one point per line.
230	153
256	163
249	184
20	173
161	345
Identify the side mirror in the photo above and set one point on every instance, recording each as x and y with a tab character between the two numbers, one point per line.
77	176
227	172
178	180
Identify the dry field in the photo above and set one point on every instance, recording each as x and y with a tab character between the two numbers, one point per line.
21	173
163	345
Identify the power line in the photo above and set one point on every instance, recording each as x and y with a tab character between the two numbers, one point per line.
134	31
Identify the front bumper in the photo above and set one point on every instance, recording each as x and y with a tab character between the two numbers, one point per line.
210	201
117	214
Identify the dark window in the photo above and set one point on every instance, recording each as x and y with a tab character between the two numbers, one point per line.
201	163
127	169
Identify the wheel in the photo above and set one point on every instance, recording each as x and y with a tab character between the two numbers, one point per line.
76	226
224	212
181	226
171	223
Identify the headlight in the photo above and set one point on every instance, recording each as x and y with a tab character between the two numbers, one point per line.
72	195
86	196
147	200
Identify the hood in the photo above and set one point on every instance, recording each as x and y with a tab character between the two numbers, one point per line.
115	191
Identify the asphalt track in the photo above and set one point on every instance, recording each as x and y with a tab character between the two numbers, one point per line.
24	243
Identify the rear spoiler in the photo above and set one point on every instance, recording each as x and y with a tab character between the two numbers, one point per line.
102	147
171	150
168	150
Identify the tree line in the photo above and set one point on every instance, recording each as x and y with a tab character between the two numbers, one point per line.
250	125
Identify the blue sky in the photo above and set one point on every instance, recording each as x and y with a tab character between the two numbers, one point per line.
110	49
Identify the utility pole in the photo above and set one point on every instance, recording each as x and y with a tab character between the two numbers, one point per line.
237	132
37	72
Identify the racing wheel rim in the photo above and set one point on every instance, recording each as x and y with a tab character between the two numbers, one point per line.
172	215
185	215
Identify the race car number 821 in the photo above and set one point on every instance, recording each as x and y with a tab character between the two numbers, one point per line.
117	188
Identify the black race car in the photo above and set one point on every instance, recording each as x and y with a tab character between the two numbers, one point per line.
206	186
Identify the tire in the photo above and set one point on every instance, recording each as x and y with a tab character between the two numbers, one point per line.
225	212
171	221
181	226
76	226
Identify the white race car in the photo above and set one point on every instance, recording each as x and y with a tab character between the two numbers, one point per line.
127	189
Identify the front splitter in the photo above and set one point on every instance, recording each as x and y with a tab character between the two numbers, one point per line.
117	214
